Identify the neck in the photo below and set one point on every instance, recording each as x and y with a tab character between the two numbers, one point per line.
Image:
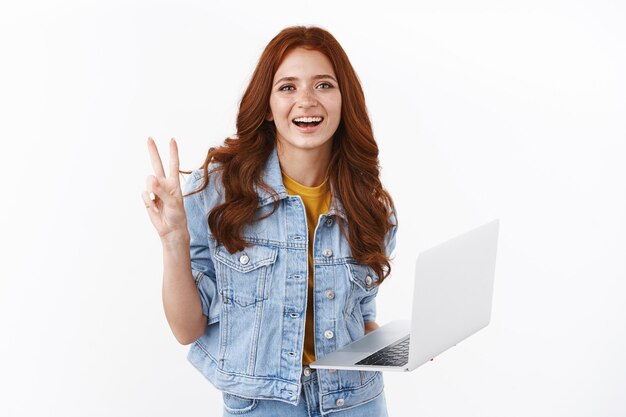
307	167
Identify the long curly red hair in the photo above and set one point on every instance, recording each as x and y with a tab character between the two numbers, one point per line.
354	166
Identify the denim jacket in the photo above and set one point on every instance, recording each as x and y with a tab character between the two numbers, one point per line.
255	299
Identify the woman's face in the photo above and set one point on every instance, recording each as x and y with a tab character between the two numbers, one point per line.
305	103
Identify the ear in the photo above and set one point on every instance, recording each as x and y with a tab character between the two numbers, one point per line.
269	117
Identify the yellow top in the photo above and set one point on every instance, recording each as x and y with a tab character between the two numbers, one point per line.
316	201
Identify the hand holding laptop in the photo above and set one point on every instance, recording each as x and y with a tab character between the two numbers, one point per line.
370	326
451	301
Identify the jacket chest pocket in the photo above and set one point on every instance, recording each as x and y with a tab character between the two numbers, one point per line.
244	276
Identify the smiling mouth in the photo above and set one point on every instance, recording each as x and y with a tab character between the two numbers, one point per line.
307	121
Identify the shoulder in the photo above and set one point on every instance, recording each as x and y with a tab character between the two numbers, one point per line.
204	186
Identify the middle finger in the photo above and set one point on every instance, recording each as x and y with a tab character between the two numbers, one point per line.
157	165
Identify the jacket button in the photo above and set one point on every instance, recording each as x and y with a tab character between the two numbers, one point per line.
327	253
307	371
329	221
340	402
330	294
368	281
243	259
328	334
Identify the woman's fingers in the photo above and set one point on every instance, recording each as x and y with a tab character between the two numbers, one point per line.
148	202
370	326
153	189
174	163
164	205
162	197
161	193
157	165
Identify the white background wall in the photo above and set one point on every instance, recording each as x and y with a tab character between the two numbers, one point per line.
504	109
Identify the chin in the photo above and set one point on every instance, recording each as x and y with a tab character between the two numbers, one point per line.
306	142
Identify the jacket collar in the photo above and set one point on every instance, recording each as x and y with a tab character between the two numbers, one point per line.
272	176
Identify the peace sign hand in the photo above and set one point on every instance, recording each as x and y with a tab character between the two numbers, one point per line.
166	211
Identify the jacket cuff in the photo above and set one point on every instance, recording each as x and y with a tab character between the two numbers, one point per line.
368	308
208	295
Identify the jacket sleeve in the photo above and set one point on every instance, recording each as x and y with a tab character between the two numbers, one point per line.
368	304
390	241
202	267
368	308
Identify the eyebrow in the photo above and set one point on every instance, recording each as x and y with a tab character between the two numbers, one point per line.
315	77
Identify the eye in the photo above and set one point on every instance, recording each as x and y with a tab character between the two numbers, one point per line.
325	86
287	87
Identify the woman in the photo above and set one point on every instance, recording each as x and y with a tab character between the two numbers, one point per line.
274	255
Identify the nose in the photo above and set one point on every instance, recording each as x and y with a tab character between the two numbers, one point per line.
306	99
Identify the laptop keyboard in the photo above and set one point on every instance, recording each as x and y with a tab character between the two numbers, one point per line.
396	354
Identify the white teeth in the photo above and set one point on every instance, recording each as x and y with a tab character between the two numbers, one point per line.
307	119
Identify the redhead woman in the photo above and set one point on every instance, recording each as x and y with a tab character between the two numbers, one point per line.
275	248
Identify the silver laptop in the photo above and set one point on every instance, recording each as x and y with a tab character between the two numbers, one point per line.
451	301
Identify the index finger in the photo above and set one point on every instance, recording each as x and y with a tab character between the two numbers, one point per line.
174	162
157	165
